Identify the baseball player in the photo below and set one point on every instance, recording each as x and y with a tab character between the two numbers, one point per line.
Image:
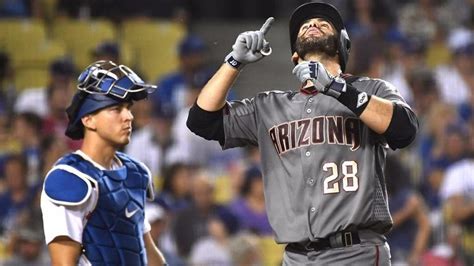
323	146
93	199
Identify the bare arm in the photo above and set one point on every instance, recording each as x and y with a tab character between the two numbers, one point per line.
406	212
154	256
64	251
214	93
423	234
414	208
378	114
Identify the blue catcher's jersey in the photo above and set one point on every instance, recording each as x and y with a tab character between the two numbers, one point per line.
113	234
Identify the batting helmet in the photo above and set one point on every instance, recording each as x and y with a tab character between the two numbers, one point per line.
103	84
328	12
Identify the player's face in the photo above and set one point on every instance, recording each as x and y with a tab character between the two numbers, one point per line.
114	124
318	36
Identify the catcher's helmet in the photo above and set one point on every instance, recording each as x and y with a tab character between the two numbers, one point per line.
103	84
326	11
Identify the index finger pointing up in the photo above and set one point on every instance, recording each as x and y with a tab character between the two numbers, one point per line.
267	25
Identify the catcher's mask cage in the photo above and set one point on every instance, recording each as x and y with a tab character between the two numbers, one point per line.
106	77
100	85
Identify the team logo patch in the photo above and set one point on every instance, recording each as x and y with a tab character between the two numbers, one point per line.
361	99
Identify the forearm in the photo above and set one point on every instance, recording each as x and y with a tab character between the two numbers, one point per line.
406	212
401	216
378	114
214	93
154	256
64	251
396	122
423	234
461	210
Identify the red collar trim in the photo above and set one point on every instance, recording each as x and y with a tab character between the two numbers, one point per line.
309	91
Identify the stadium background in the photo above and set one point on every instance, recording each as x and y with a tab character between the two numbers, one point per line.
425	48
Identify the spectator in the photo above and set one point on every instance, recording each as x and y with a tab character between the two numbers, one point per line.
52	149
50	103
157	136
172	88
466	108
108	51
191	224
432	138
458	74
29	249
446	253
18	195
57	96
18	8
158	218
25	130
411	228
176	187
430	191
403	63
7	87
249	207
245	250
365	16
453	147
425	90
37	100
457	193
450	148
419	19
189	144
213	249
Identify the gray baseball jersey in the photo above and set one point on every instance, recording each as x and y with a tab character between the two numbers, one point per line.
322	167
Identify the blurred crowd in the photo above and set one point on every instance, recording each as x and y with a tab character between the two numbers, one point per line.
209	207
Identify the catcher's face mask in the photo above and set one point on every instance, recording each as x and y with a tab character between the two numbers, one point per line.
103	84
105	77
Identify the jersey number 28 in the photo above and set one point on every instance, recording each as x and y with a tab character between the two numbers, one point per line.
350	182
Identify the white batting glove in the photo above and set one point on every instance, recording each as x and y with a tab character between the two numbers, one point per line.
250	46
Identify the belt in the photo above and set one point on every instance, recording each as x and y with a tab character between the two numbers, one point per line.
337	240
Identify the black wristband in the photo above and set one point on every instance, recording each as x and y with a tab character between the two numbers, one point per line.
233	62
354	99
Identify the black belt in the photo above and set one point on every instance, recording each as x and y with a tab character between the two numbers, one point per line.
337	240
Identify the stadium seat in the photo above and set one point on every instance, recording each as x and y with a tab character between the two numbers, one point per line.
81	37
272	253
31	78
154	45
37	56
223	190
20	34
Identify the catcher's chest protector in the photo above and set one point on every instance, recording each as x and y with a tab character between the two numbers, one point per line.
113	234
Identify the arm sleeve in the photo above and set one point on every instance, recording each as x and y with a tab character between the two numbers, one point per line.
59	220
404	124
402	128
235	125
208	125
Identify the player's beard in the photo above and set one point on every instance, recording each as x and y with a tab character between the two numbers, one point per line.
316	45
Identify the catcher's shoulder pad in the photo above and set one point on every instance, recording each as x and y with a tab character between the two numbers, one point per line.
65	185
